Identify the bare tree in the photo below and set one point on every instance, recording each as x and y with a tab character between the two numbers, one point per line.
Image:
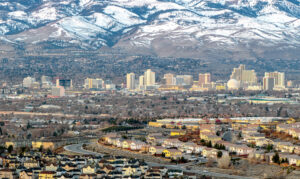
224	162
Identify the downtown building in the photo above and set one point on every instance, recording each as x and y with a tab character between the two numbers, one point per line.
278	79
93	83
130	81
244	77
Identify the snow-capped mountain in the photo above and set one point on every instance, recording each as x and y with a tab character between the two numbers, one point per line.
162	27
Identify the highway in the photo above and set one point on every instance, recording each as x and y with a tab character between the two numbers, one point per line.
77	148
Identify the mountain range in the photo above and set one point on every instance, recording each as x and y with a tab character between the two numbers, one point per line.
221	29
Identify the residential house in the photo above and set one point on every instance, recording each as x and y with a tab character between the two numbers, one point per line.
137	145
172	153
156	150
173	173
284	146
88	169
172	143
47	175
31	164
241	149
25	175
7	173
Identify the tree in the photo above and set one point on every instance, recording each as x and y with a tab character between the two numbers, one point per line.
269	147
219	154
10	149
276	158
54	134
224	162
41	148
23	150
49	152
216	146
209	144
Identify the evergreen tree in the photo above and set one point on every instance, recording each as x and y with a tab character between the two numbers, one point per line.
10	149
276	158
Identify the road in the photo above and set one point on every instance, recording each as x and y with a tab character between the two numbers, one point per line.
77	148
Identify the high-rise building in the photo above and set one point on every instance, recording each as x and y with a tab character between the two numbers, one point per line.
182	80
66	83
93	83
141	81
245	77
278	77
46	82
204	78
58	91
268	83
149	78
130	81
28	82
170	79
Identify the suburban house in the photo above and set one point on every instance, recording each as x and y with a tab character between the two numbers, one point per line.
156	150
137	145
284	146
241	149
172	153
88	170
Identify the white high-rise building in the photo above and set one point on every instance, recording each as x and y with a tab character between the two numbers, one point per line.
141	81
130	81
46	82
245	77
149	78
268	83
278	77
28	82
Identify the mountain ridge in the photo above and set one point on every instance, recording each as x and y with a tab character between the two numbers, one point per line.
184	28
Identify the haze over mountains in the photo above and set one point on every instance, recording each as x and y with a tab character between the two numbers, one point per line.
235	29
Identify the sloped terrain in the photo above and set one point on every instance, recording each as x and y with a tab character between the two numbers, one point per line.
219	29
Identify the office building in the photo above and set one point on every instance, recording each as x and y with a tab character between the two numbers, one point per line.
204	78
130	81
28	82
183	80
268	83
93	83
278	77
170	79
245	77
66	83
46	82
149	78
141	81
58	91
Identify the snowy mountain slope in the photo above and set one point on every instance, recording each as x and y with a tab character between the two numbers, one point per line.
187	26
